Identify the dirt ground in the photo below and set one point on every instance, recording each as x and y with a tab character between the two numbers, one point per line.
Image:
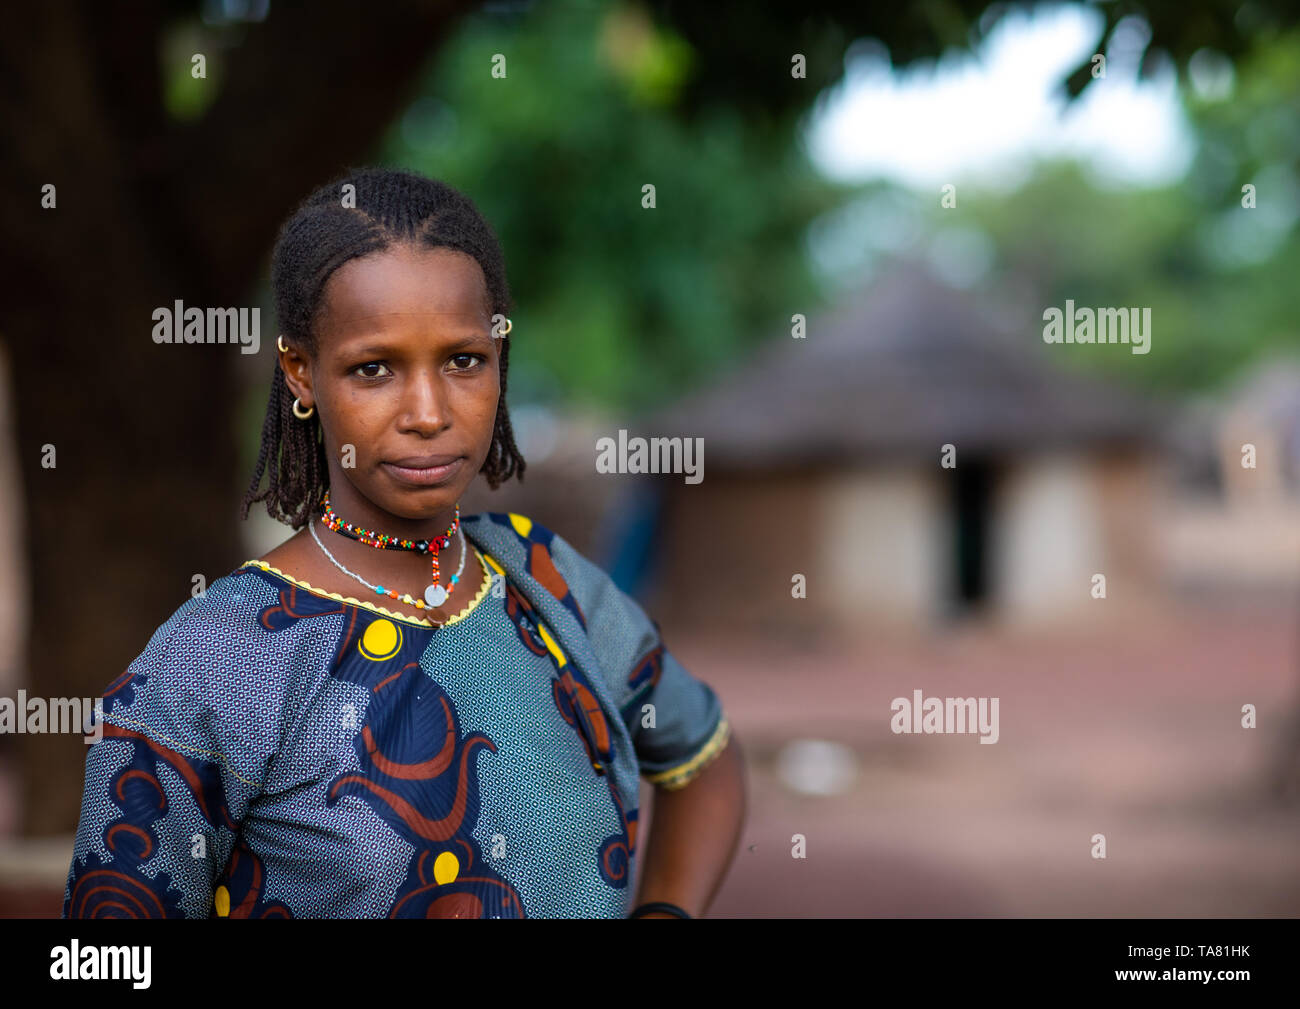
1131	732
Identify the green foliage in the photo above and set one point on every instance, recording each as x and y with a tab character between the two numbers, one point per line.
186	97
617	303
623	305
1219	277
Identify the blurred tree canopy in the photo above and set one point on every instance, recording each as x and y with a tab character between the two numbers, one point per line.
1218	275
617	303
629	307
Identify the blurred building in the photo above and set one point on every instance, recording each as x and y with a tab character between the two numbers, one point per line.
1234	518
823	458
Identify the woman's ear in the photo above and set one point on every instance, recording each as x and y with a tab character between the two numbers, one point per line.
297	371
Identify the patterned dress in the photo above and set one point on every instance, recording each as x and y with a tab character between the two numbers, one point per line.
280	751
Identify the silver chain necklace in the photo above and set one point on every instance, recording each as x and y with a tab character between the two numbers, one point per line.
379	589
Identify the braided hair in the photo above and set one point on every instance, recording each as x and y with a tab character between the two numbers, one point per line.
325	232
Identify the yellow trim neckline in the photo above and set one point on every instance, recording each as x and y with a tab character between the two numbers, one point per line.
483	591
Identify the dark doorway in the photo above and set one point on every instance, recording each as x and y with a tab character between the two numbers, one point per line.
972	502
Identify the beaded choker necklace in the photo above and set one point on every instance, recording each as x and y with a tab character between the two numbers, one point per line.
434	594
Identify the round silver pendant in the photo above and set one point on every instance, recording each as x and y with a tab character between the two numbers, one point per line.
435	595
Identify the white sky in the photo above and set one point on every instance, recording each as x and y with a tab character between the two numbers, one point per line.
986	116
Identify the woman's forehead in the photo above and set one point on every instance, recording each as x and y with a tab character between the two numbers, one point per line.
472	320
401	283
450	327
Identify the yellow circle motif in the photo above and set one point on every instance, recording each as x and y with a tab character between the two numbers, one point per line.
221	902
380	640
446	867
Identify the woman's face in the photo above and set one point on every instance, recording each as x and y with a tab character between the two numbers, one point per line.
406	373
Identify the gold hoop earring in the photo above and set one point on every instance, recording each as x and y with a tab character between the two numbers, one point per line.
297	406
279	342
509	326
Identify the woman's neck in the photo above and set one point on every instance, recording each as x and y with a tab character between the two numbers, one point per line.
361	513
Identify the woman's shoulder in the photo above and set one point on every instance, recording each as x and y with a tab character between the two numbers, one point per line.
212	679
520	543
525	547
216	608
226	625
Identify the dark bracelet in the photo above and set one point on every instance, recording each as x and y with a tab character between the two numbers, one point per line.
658	905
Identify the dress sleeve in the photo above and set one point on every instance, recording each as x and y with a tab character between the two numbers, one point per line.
676	721
188	733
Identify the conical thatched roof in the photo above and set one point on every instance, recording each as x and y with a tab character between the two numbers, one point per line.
900	369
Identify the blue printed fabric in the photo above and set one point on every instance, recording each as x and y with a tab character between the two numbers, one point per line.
280	751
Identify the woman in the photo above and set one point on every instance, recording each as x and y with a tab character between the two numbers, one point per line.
401	711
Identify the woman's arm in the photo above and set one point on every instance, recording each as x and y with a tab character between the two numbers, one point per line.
694	833
189	733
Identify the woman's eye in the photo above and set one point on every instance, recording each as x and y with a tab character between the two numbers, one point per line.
472	358
368	370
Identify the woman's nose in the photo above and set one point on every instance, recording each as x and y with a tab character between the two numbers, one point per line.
424	405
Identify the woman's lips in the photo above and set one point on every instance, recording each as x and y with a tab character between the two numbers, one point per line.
423	476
